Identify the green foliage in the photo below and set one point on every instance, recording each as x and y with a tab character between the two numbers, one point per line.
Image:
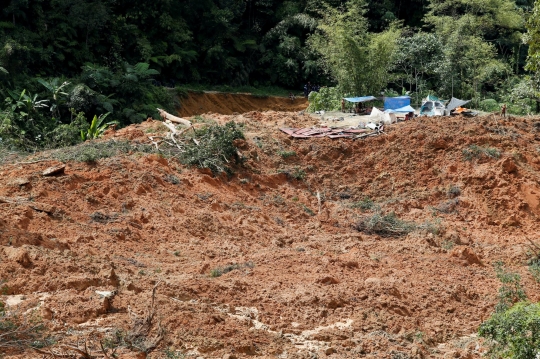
365	204
214	147
534	268
286	154
475	152
511	290
328	99
489	105
92	151
514	333
358	61
97	128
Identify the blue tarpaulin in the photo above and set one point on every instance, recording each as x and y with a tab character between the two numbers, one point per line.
405	109
392	103
360	99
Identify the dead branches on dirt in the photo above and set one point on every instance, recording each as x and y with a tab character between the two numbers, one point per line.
18	332
21	334
138	337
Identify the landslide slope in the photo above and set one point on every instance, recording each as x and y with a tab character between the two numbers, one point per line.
256	265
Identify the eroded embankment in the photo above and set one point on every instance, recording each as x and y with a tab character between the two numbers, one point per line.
227	104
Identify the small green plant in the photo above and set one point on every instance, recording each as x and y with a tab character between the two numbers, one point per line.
365	204
142	272
286	154
218	272
177	253
513	333
475	152
447	245
97	127
170	353
294	199
534	268
511	290
387	225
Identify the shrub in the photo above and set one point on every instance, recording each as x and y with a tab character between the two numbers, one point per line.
511	290
489	105
453	191
218	272
534	268
514	332
475	151
388	225
365	204
214	148
286	154
328	98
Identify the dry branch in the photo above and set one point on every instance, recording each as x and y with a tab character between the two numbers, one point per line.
167	116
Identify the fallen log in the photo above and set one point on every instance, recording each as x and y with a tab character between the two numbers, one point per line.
167	116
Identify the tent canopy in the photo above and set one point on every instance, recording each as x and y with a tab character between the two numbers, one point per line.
404	109
360	99
392	103
455	102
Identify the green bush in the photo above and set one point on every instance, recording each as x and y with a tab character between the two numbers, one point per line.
489	105
511	290
214	148
475	152
328	99
365	204
514	333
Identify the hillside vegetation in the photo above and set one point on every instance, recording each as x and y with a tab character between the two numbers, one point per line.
63	62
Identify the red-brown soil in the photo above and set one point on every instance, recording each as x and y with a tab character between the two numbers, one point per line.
228	104
306	284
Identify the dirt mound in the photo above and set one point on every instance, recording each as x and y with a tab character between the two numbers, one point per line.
268	262
228	104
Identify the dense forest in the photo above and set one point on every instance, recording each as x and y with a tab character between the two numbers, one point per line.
62	62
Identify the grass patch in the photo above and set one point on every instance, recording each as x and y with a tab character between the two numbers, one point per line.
91	151
218	272
286	154
476	152
365	204
388	225
9	155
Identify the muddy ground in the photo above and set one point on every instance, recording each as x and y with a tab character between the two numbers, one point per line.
255	265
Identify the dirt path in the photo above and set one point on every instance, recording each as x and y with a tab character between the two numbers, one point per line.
227	104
